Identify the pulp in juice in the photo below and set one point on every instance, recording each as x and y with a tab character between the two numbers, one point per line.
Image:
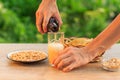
53	50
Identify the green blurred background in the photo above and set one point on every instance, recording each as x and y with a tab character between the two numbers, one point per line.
81	18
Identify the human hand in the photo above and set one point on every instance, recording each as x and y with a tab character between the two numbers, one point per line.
46	10
71	58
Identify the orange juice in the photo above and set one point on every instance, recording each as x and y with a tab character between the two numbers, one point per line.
53	50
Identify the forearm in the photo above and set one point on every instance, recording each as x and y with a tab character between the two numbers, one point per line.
106	38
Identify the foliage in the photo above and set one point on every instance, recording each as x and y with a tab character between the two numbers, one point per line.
81	18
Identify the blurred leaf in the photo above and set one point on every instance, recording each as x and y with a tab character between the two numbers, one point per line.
81	18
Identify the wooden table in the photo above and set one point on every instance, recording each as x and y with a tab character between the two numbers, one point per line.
10	70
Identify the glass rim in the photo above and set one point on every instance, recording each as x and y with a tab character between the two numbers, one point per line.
55	32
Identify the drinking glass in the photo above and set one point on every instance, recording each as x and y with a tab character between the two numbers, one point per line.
55	45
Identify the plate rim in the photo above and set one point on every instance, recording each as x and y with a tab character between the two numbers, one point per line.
14	52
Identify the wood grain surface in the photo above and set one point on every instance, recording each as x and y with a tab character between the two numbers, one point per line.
10	70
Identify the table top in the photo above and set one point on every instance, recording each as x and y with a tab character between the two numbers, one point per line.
10	70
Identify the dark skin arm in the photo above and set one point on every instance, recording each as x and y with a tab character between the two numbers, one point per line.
72	57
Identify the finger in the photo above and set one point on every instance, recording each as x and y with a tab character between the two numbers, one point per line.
62	52
61	57
39	21
65	62
70	67
45	22
57	16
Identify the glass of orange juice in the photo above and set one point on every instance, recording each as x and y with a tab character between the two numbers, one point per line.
55	44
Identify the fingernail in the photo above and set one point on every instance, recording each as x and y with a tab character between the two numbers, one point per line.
52	65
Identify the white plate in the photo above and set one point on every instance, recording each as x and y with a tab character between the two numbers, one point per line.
112	70
31	61
106	68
